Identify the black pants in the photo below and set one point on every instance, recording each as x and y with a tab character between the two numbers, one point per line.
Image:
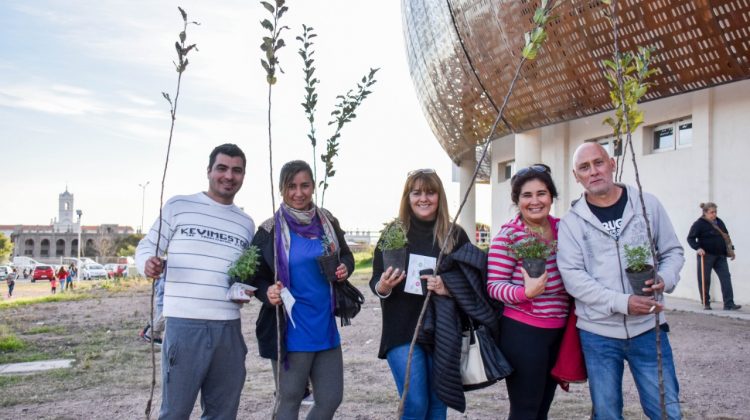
719	264
532	352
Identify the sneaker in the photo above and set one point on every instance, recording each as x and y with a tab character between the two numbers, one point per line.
707	307
732	307
308	400
146	336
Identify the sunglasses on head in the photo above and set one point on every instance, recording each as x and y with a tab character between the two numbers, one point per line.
420	171
536	168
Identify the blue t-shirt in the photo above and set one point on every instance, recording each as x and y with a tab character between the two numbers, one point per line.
315	326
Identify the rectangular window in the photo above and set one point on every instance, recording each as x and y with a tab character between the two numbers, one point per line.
608	145
685	133
664	137
672	135
505	170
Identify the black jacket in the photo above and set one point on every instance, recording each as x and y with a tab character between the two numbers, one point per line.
265	326
703	235
464	273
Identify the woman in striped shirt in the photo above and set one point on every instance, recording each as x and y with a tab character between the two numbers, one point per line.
535	308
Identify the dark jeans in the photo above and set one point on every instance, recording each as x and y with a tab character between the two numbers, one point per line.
719	264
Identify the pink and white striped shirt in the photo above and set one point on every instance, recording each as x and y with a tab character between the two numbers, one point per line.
505	281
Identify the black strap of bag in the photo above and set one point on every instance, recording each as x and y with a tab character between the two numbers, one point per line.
348	300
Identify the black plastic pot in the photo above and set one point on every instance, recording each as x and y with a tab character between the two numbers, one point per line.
328	265
395	258
535	266
638	279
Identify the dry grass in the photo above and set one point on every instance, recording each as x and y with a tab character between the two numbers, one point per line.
111	375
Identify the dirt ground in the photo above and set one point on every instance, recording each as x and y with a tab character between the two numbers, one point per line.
112	373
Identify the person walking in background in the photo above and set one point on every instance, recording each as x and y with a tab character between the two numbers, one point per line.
61	275
10	281
536	309
204	234
424	214
69	278
295	237
53	283
614	324
710	238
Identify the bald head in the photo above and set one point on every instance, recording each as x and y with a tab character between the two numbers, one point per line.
590	147
594	170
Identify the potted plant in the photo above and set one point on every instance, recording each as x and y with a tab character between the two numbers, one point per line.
241	272
533	251
246	265
638	268
329	261
393	245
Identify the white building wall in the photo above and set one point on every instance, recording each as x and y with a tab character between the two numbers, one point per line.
711	169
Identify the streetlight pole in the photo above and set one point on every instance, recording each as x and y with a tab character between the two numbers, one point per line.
80	228
143	202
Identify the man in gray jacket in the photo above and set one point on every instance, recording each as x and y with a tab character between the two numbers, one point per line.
616	325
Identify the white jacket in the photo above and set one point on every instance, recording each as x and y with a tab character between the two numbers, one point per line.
593	266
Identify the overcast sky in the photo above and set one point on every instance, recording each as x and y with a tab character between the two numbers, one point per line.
81	106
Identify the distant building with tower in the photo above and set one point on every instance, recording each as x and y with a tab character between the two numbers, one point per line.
50	243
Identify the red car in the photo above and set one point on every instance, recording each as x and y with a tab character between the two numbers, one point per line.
43	272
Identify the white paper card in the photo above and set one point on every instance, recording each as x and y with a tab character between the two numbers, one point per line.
236	292
288	299
417	263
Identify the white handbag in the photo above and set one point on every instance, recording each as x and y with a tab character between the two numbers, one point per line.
472	365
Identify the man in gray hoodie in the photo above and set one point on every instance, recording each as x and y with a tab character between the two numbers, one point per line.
616	325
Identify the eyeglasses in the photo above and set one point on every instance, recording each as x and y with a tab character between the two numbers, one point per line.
420	171
536	168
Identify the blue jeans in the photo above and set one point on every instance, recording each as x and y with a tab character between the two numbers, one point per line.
605	363
422	401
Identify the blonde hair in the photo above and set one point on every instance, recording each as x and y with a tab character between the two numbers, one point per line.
429	182
707	206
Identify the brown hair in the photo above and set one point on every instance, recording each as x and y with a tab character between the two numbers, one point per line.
430	182
290	170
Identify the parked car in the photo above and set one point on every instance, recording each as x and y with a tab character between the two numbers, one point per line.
4	271
93	271
42	272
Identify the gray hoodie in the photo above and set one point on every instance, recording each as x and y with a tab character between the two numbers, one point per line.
592	264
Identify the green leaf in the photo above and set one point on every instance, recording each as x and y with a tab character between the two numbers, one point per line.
529	52
268	6
182	36
182	12
267	24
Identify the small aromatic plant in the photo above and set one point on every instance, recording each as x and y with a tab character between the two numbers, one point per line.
393	236
246	266
637	258
533	246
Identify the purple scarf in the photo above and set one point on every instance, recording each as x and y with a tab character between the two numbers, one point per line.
310	224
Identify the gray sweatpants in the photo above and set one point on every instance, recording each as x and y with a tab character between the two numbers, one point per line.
326	372
206	356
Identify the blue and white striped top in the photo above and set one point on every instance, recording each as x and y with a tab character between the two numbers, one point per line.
202	239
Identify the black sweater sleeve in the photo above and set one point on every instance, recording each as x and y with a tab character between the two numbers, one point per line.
692	238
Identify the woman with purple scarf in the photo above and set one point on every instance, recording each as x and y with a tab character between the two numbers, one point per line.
292	240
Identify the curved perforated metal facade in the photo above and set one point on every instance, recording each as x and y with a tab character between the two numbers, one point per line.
462	55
